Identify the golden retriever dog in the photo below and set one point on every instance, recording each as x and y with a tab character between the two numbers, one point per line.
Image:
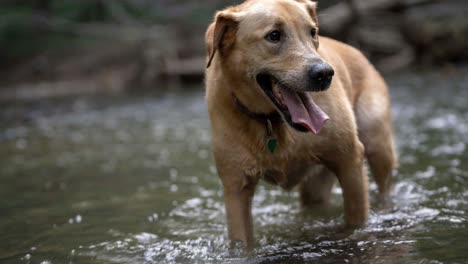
294	108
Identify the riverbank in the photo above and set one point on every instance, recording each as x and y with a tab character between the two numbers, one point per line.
118	54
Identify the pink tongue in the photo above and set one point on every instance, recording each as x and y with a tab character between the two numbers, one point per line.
304	111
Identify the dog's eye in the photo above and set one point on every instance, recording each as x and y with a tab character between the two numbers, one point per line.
274	36
313	32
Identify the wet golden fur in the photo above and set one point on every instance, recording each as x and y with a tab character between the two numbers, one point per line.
357	103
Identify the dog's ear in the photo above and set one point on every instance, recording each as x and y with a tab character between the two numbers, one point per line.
221	34
312	8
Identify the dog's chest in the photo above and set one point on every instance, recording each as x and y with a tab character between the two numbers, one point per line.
285	171
287	164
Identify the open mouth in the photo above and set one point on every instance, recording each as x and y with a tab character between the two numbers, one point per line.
297	108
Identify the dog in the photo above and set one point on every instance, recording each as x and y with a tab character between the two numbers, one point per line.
294	108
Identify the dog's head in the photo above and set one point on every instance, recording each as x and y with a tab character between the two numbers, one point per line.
271	47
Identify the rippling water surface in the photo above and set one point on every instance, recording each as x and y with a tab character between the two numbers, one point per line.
131	180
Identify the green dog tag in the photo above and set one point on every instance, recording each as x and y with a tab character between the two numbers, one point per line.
272	142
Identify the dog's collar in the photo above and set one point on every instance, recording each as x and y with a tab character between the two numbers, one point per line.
273	117
271	140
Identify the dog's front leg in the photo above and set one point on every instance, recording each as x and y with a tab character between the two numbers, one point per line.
238	201
239	173
349	168
239	184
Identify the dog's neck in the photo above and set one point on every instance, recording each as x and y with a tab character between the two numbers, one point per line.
273	117
271	139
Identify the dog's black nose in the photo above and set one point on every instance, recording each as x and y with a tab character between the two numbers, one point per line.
320	76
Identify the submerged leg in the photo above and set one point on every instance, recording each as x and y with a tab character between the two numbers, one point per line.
316	187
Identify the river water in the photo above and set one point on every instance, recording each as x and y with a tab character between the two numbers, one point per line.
131	179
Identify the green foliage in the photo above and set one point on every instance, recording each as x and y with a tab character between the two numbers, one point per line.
71	10
16	37
22	36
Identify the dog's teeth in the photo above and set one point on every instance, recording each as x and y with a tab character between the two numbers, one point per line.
277	93
279	96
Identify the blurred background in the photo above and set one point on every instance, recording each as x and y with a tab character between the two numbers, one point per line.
105	153
61	47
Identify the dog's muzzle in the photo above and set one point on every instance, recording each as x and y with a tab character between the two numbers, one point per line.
297	107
